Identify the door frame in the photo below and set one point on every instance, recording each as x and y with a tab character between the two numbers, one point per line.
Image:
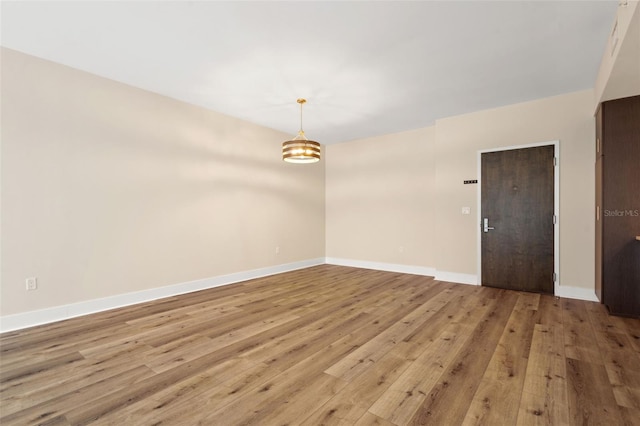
556	206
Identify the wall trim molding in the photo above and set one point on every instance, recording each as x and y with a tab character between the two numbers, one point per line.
453	277
576	293
456	277
63	312
381	266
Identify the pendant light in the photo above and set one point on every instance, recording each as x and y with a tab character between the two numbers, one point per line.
300	149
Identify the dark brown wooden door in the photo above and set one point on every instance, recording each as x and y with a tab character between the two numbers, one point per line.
620	208
517	201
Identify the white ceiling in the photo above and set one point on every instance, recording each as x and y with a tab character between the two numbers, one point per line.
366	67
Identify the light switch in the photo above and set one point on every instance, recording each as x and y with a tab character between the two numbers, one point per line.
466	210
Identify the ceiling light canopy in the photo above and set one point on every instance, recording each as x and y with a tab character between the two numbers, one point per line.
300	149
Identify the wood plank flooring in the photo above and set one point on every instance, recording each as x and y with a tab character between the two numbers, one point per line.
329	345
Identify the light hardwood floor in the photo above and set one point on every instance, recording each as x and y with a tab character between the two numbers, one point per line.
329	345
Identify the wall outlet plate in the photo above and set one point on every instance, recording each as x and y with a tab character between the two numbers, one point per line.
31	283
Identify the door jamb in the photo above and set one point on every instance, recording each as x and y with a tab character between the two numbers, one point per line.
556	206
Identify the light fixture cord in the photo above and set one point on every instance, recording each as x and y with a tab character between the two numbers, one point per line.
302	131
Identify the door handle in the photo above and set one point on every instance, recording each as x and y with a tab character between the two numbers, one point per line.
485	225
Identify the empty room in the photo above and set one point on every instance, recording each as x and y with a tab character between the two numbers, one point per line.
320	212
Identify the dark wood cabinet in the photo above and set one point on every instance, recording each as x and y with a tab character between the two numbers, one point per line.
618	205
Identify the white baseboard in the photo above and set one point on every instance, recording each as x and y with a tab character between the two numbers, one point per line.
379	266
455	277
59	313
452	277
576	293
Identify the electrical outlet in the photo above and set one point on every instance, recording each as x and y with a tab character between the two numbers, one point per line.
32	283
466	210
277	249
401	249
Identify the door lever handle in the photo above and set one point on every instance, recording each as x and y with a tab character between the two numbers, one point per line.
485	225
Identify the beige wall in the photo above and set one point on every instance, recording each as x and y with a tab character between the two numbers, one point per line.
108	189
567	118
379	196
407	189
